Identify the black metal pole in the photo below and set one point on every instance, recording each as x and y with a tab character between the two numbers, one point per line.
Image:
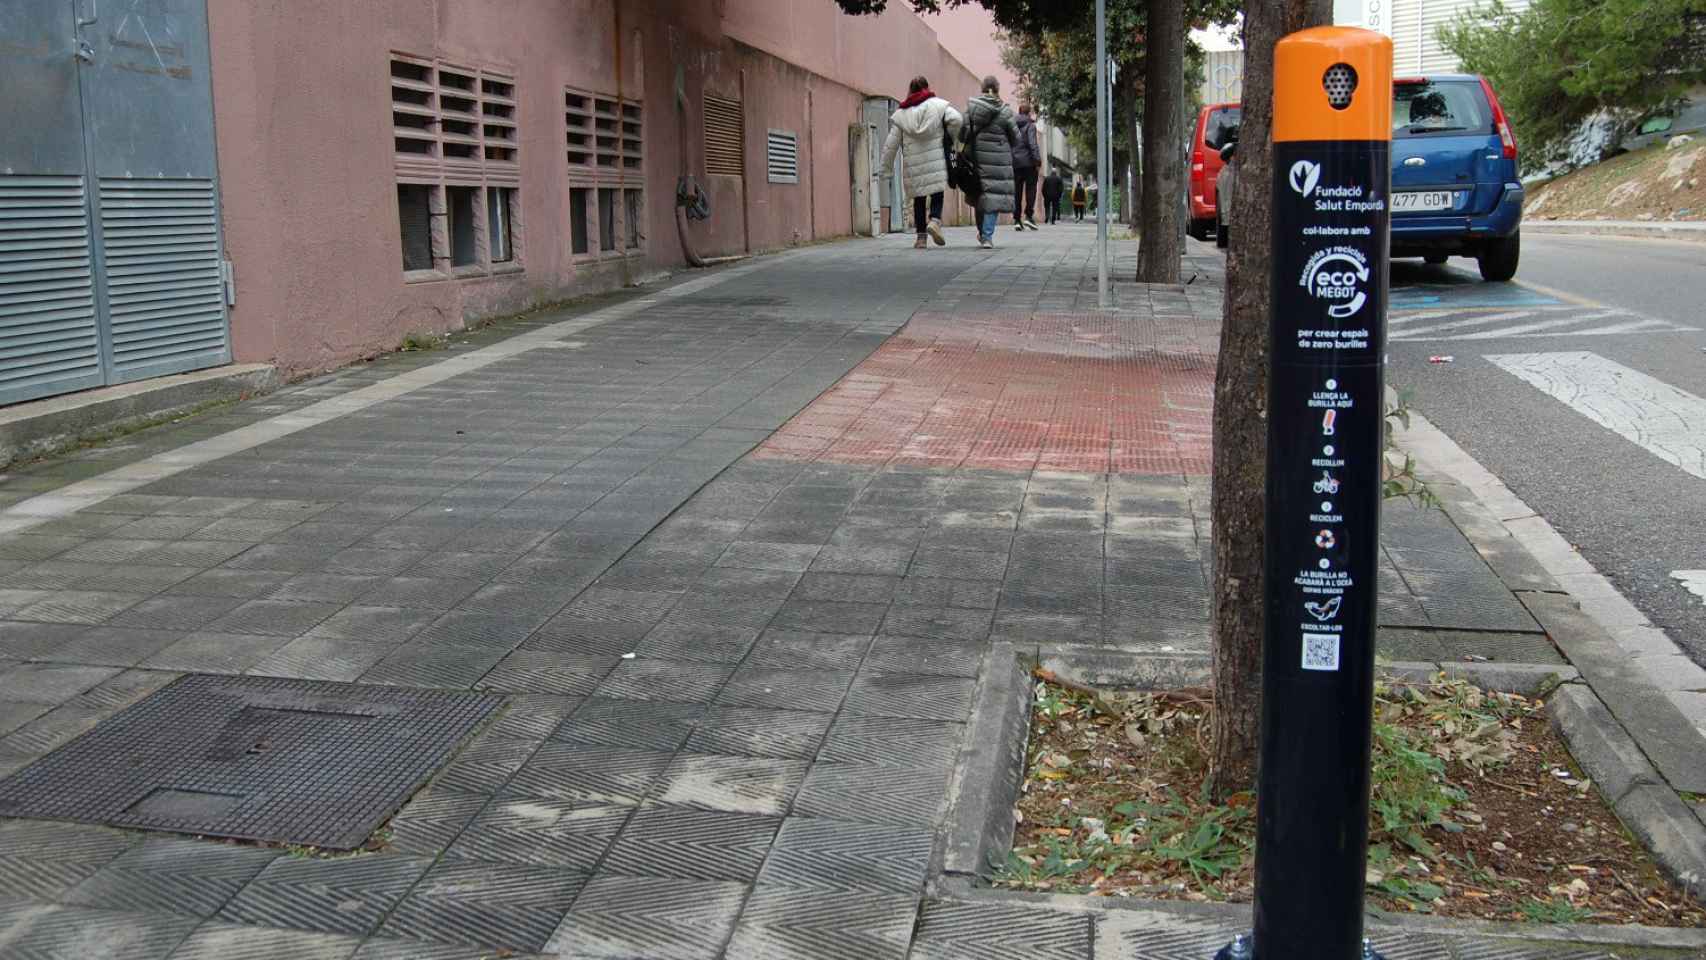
1331	156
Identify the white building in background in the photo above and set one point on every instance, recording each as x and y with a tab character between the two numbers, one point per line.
1413	26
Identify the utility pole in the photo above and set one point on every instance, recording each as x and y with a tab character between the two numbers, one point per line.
1102	157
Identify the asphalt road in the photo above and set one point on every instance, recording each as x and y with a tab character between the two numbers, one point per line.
1582	386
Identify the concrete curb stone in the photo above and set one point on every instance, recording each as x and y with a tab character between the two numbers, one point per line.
1655	814
991	768
1668	230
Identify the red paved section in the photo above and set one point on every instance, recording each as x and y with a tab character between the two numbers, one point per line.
1088	393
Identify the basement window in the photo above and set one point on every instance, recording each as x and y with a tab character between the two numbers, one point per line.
578	239
500	205
633	214
606	219
414	212
464	205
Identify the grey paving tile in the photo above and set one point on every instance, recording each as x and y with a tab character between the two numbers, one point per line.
937	622
55	932
219	582
910	696
116	646
541	832
485	904
177	612
781	923
588	774
770	688
78	606
41	859
321	658
957	930
891	741
637	724
754	785
831	617
444	666
744	731
419	592
621	917
51	683
226	941
660	841
532	716
946	658
704	644
348	895
675	680
327	587
484	766
531	671
278	618
794	557
869	560
431	821
872	793
241	530
374	624
463	628
214	652
823	854
172	876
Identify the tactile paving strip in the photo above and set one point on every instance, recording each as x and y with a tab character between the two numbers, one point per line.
254	758
1086	392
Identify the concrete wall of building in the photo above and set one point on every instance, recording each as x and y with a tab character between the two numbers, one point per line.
303	109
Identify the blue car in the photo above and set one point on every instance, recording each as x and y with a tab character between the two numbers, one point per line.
1455	190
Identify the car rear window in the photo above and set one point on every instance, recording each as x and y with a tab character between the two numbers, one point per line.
1439	107
1222	127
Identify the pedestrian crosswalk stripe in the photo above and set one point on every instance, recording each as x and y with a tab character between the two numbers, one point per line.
1667	422
1525	324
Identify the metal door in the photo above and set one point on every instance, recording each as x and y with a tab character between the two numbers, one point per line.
122	200
49	338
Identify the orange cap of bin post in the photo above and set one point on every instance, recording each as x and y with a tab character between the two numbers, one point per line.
1302	108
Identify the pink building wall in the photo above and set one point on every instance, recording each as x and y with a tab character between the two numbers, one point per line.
303	109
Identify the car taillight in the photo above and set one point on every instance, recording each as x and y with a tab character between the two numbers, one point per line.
1500	122
1197	163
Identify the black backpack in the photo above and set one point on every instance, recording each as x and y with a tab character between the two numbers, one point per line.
963	172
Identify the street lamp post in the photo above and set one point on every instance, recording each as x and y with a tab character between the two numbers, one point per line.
1102	154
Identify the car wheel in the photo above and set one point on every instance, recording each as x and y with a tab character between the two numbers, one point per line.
1498	257
1436	258
1199	228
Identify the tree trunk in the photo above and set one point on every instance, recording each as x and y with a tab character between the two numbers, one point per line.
1160	241
1241	407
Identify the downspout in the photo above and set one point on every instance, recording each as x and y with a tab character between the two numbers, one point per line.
688	194
746	177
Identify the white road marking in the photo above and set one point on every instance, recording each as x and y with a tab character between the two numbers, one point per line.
1666	422
1694	581
1608	322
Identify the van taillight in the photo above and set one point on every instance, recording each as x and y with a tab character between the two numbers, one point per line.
1500	122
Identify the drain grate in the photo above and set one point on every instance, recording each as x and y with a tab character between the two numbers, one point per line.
289	761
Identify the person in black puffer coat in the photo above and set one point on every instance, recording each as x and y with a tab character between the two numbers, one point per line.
1027	157
996	135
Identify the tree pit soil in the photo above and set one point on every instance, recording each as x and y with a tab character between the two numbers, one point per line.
1113	804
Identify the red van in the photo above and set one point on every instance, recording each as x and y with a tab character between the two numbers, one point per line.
1217	125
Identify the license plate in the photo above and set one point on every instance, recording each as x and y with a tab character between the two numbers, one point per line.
1422	200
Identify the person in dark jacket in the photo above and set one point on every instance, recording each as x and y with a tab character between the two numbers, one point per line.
1027	157
1079	198
1053	187
991	133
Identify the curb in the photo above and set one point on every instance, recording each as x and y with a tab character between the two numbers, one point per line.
991	768
1684	230
44	427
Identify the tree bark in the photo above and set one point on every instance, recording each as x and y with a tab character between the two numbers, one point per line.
1160	243
1241	407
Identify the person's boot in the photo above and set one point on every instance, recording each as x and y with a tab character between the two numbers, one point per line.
935	229
921	243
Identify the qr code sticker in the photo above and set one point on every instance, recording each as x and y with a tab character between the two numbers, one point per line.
1320	651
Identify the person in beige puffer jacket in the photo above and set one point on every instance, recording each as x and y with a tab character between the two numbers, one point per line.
916	132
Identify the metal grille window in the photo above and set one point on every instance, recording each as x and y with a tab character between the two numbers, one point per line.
604	143
725	137
456	144
782	153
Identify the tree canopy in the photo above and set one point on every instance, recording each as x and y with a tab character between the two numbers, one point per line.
1561	61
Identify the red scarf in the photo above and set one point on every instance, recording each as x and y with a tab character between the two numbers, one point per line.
914	99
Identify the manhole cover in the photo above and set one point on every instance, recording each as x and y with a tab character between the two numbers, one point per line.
290	761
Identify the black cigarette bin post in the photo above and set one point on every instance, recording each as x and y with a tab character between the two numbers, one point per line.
1332	131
